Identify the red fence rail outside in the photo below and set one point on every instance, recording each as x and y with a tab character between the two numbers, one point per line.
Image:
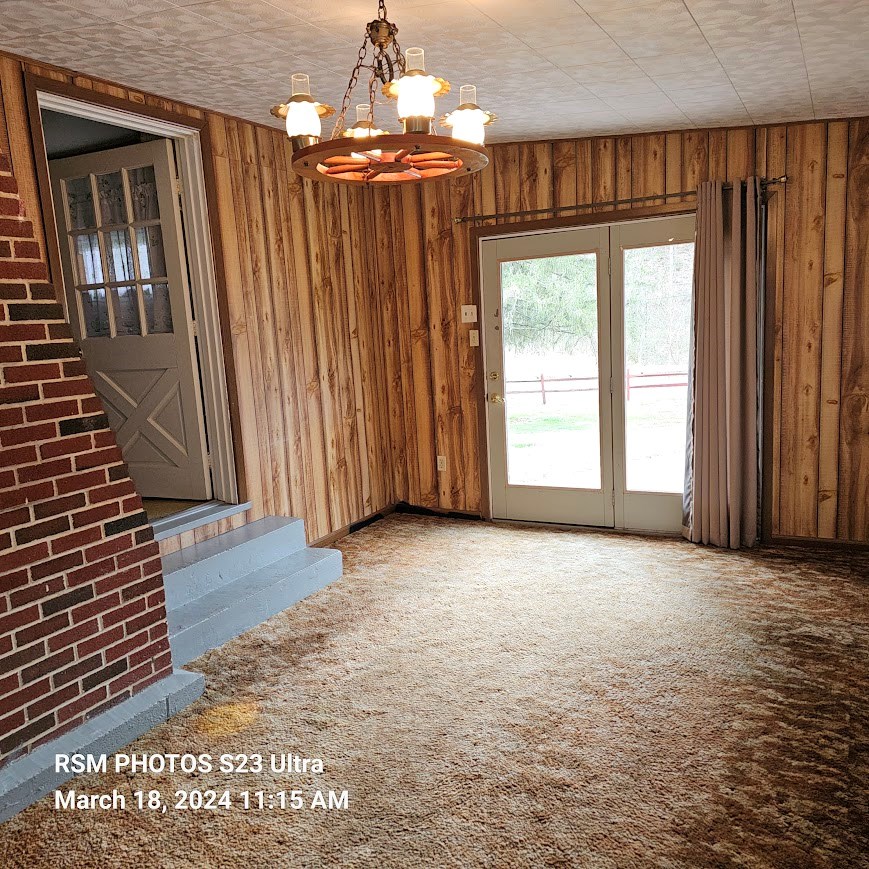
632	381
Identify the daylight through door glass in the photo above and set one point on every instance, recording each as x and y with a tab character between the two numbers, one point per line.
550	340
657	285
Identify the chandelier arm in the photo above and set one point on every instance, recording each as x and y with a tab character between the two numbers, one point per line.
354	77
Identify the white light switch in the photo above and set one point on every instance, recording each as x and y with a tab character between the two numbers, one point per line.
474	337
469	313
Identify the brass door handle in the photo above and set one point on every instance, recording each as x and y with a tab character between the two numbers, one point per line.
495	398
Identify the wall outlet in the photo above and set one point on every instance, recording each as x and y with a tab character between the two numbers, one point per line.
469	313
442	463
474	337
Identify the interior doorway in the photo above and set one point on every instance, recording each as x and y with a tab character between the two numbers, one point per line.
129	209
587	342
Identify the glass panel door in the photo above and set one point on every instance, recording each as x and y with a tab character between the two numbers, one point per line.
547	352
652	275
587	334
551	377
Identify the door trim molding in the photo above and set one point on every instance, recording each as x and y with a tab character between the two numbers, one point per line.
200	259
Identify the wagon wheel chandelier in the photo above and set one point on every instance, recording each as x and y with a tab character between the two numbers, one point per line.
363	153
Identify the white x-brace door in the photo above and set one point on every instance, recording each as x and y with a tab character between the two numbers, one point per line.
126	283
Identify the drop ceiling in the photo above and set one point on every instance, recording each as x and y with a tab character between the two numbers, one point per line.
548	68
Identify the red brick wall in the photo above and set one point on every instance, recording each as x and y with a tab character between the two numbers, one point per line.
82	609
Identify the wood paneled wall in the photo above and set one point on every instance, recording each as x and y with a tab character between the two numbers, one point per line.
818	269
305	353
352	371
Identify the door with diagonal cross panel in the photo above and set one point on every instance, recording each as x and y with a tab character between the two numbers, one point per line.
126	284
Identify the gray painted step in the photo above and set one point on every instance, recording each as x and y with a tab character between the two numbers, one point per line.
232	608
25	780
197	570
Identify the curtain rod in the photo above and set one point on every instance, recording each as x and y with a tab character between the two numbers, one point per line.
764	184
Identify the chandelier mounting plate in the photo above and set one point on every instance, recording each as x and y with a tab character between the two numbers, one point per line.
390	158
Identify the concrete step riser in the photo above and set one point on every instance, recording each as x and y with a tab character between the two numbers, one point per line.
195	571
253	607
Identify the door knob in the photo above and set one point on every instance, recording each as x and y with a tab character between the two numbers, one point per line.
496	399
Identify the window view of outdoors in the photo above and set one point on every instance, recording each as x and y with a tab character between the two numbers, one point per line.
657	337
551	371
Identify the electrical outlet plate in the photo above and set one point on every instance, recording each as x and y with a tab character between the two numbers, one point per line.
474	337
442	463
469	313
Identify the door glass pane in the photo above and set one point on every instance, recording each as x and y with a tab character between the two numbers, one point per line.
158	314
95	312
126	311
89	266
152	259
119	253
550	345
143	192
658	284
80	203
113	207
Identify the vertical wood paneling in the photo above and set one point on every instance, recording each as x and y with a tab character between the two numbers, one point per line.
603	172
695	158
420	333
241	242
831	335
801	369
673	166
717	155
740	153
623	169
648	167
352	369
535	173
776	163
443	319
470	360
507	179
407	483
584	172
853	513
564	171
245	424
805	239
297	403
386	271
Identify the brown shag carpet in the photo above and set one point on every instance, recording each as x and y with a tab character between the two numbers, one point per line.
498	696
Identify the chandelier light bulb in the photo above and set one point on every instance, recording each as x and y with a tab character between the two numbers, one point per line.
468	121
416	93
303	119
364	127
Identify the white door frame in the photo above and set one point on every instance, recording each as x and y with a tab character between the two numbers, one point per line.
200	259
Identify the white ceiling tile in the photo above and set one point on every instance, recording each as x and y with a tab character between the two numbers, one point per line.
554	67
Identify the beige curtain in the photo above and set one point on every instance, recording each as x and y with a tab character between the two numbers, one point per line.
722	467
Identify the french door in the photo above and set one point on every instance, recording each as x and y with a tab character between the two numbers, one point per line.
587	337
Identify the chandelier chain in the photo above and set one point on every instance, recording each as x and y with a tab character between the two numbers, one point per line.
354	77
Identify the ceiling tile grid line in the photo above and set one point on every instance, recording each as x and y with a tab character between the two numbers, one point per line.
560	67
